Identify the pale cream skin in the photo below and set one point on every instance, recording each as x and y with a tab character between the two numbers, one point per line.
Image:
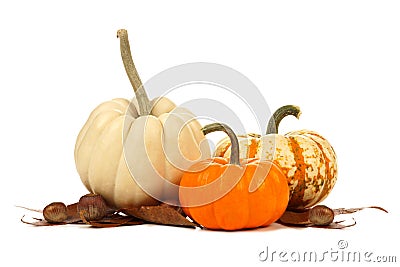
151	147
125	147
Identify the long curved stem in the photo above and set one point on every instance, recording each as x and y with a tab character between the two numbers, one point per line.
141	96
279	114
213	127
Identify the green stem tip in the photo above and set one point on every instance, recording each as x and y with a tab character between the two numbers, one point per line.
214	127
278	116
133	75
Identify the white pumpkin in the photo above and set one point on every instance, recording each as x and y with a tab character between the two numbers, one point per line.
133	153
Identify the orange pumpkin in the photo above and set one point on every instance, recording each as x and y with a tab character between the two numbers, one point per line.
306	157
236	194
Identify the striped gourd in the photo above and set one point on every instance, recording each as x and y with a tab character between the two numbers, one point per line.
306	157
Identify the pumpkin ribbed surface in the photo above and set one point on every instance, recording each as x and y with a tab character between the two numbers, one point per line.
116	147
307	159
242	206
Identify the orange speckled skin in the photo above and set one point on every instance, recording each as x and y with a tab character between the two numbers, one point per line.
306	158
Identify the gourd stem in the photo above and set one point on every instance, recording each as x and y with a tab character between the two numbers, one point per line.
279	114
141	96
213	127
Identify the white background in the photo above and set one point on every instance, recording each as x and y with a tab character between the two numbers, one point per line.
338	60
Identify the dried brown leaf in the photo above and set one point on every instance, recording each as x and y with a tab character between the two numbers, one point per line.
39	222
295	218
352	210
336	225
30	209
161	214
302	218
114	222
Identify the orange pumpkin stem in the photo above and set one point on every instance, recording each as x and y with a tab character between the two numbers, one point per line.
278	116
214	127
141	96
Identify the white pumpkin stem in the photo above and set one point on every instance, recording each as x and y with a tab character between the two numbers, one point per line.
214	127
278	116
141	96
